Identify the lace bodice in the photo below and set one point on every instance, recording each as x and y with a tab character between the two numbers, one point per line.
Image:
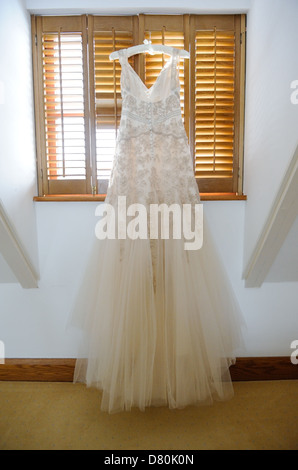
152	163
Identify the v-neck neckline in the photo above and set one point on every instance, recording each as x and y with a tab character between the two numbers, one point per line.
149	90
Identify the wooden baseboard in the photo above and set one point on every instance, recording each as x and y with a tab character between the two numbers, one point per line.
61	370
264	368
37	370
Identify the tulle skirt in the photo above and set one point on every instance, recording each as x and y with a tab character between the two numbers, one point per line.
160	324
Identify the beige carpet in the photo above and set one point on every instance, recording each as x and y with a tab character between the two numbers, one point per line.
63	416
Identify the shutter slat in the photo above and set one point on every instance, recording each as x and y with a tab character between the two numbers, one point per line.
64	105
107	93
215	107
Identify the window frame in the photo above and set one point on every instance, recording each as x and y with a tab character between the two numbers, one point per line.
140	24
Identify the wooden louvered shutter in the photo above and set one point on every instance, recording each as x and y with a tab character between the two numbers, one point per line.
61	104
215	101
78	97
106	34
171	30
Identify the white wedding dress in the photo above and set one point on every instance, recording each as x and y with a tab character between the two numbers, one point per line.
161	324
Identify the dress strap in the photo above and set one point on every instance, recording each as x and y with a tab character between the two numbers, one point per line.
123	56
175	83
176	55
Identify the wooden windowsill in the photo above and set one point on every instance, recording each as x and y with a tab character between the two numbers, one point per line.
222	197
70	198
101	197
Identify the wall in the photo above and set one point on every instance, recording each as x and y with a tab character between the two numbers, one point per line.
118	7
17	139
33	323
271	134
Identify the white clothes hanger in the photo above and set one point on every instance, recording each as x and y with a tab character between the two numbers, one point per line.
151	49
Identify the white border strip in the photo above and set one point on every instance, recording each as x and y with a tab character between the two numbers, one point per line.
14	253
282	215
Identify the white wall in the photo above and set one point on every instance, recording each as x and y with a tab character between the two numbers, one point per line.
17	139
271	135
119	7
6	274
33	322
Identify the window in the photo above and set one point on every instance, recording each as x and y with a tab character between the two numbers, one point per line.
78	98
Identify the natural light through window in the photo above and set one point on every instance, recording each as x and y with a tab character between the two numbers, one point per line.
64	105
